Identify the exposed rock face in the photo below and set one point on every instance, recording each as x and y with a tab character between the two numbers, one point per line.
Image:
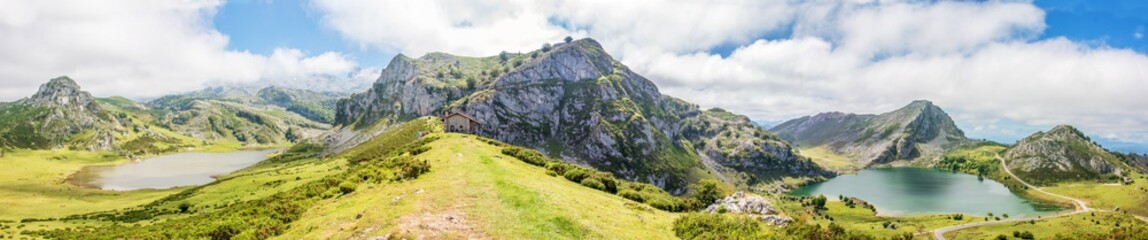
56	113
749	204
266	116
920	130
574	102
63	92
1061	154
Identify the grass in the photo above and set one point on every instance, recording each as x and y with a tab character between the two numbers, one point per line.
489	195
1133	198
828	159
1098	225
35	185
865	221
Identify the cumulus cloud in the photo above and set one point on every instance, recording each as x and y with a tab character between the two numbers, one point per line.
134	48
982	61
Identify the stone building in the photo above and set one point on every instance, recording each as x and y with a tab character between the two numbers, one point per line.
460	123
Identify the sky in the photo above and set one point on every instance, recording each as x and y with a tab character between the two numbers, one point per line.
1001	69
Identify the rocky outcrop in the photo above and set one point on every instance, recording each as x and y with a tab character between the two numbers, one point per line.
59	115
749	204
1061	154
573	102
920	130
63	92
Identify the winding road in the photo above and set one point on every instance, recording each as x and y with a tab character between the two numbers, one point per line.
1081	207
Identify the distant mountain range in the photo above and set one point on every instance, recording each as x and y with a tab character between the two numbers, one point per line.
920	131
61	115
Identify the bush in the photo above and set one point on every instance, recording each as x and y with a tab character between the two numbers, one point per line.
546	47
671	204
568	39
632	195
707	191
557	167
410	168
717	226
576	174
183	207
593	183
346	187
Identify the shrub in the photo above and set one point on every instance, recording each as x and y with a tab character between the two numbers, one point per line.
632	195
671	204
707	191
593	183
410	168
346	187
183	207
546	47
576	174
568	39
557	167
717	226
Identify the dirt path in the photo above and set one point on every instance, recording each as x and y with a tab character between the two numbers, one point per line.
1081	207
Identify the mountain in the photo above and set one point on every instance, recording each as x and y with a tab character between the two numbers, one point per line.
1061	154
60	115
63	116
920	130
575	102
271	115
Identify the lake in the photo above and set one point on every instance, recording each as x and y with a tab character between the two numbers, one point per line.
915	191
167	171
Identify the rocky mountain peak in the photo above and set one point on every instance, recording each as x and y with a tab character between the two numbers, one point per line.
1062	153
1066	131
63	91
574	61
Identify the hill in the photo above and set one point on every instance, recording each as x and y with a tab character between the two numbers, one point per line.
575	102
63	116
1060	155
918	131
397	185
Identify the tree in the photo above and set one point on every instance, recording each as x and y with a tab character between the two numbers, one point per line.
819	202
470	82
1026	235
1002	237
503	56
707	191
546	47
183	207
568	39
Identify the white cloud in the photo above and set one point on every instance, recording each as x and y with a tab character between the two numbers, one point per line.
979	60
133	48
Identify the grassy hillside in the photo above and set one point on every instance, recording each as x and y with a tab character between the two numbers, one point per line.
34	185
397	184
1097	225
1132	198
473	190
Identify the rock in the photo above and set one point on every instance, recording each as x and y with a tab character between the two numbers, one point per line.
576	102
920	130
749	204
1063	153
740	202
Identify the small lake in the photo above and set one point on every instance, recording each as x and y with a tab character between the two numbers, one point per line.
916	191
167	171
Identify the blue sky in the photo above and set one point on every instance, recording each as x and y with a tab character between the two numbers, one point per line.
261	26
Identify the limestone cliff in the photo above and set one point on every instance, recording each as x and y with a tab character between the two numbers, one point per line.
577	103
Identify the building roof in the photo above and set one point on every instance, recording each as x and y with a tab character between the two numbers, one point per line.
468	117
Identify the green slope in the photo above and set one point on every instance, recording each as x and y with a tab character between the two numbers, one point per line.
471	189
